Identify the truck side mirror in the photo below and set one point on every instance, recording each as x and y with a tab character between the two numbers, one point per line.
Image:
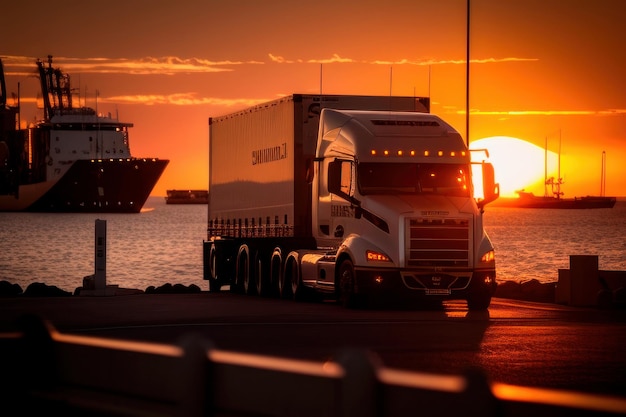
334	178
310	170
491	189
338	184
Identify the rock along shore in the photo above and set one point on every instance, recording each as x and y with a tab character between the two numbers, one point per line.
530	290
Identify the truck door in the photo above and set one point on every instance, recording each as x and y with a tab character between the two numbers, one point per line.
324	202
341	187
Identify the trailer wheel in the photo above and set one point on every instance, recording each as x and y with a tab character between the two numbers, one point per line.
292	274
243	270
261	276
214	284
345	286
276	264
284	282
249	282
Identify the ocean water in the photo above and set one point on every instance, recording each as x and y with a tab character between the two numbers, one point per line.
163	244
536	243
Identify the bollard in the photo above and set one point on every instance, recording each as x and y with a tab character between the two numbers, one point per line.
100	276
584	284
96	284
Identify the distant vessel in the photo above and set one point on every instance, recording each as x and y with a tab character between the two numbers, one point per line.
72	161
556	200
529	200
187	197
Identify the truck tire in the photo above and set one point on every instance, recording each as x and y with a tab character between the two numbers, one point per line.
479	299
242	272
284	283
276	268
261	275
293	277
345	286
214	284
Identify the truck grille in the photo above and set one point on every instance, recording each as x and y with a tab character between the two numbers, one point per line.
437	242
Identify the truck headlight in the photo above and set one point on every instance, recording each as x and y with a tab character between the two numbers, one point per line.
371	255
488	256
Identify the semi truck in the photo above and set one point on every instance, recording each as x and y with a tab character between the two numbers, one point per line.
356	198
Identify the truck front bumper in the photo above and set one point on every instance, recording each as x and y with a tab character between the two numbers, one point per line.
434	285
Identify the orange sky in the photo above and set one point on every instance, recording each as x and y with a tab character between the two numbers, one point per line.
539	69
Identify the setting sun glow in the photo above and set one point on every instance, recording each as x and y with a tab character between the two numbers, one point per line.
518	164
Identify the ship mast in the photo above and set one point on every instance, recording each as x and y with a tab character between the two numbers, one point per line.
55	88
555	184
3	88
545	168
603	175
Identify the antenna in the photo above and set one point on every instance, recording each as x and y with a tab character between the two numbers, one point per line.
321	74
429	81
559	165
545	168
467	77
390	86
19	111
603	175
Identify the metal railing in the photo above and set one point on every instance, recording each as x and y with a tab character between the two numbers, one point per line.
45	371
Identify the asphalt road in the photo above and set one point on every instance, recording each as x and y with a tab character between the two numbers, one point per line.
520	343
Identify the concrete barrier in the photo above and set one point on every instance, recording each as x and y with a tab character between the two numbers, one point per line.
584	285
47	372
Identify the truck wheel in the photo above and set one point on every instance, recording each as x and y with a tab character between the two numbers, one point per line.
284	284
479	299
298	291
243	271
346	295
261	277
249	282
214	284
276	264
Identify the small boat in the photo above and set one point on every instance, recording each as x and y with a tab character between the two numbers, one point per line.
74	160
556	200
529	200
187	197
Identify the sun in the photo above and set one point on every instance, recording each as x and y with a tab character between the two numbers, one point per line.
518	164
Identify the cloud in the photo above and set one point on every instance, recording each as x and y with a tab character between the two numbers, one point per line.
180	99
168	65
607	112
336	58
172	65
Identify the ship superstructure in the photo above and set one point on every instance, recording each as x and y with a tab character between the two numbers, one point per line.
74	160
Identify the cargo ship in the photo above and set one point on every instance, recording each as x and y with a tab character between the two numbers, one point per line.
74	160
187	197
556	200
529	200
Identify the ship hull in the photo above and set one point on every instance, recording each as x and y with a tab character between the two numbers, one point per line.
187	197
91	186
579	203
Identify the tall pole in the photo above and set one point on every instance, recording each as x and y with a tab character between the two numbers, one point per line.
603	175
545	168
467	77
321	77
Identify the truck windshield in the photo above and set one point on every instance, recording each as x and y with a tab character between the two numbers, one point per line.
411	178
